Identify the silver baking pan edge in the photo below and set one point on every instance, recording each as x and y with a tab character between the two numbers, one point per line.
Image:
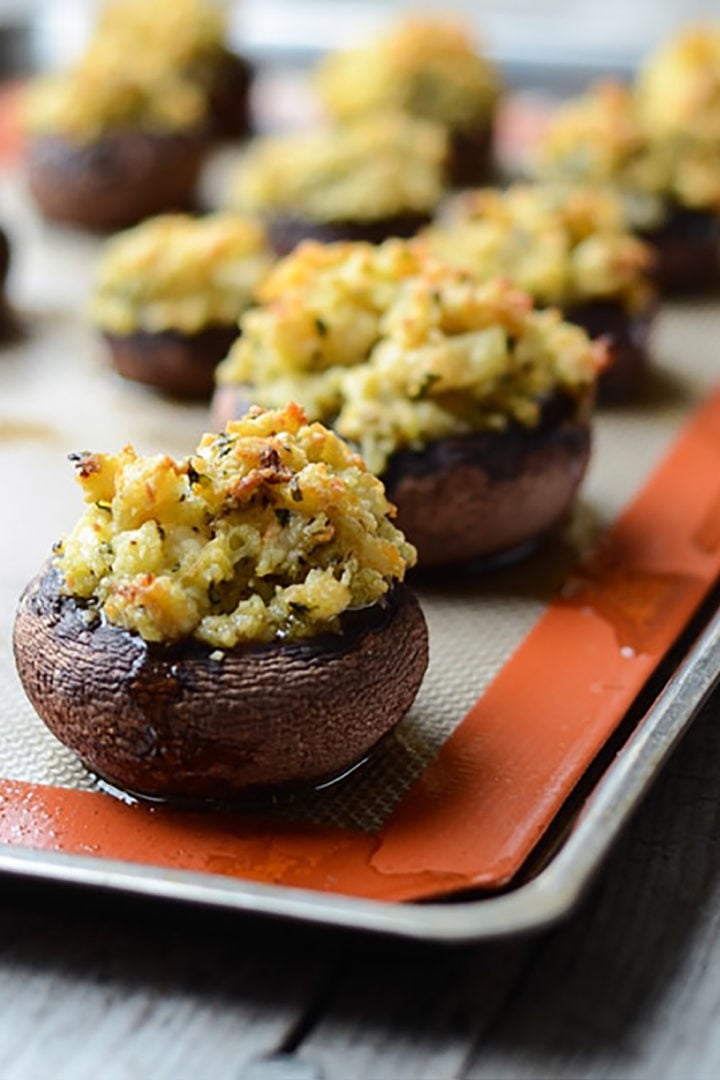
545	899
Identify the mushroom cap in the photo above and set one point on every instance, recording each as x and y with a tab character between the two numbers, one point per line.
466	497
470	161
229	96
285	232
115	181
687	250
187	721
471	496
626	335
4	257
182	365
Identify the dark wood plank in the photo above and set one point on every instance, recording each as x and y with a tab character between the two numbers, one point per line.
631	987
125	989
412	1016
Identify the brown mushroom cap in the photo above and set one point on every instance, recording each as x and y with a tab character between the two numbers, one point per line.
179	364
627	337
179	721
471	496
229	96
8	324
470	161
285	232
687	250
115	181
4	257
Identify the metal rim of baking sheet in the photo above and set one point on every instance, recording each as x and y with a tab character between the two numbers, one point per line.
531	906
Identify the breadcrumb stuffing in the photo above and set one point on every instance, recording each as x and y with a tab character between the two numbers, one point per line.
427	67
398	349
320	312
176	272
603	138
678	88
270	530
457	357
562	245
168	34
147	66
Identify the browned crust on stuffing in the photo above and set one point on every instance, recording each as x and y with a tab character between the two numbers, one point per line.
471	157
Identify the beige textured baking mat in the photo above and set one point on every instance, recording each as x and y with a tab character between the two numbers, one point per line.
58	396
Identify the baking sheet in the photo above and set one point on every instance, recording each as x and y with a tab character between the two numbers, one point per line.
57	396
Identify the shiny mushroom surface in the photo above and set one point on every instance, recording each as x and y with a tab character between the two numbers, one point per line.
193	722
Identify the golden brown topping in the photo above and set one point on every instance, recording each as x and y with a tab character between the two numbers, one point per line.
457	357
678	96
404	348
425	67
168	35
562	245
321	310
272	529
601	139
678	89
100	97
177	272
384	166
148	65
598	139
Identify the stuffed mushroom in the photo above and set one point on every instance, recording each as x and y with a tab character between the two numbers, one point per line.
231	622
380	177
472	406
169	293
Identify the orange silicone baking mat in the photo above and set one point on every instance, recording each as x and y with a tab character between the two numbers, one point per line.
532	667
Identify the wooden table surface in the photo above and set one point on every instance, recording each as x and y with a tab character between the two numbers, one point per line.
92	985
